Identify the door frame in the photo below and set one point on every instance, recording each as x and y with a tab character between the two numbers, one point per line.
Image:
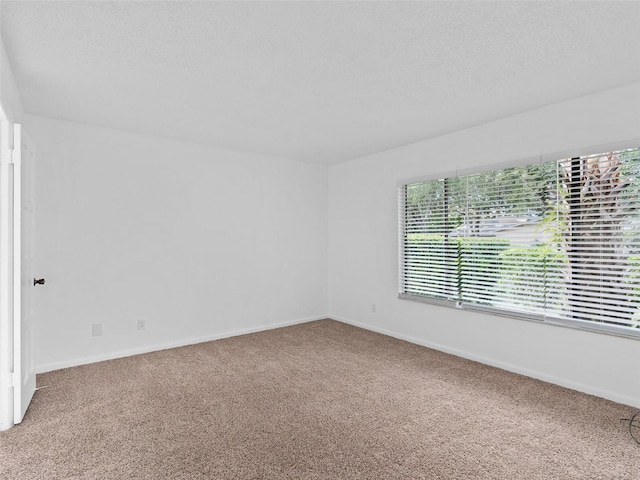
24	377
6	273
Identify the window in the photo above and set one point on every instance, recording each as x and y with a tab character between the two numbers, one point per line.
555	241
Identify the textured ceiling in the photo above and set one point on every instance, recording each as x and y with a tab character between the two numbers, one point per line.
313	81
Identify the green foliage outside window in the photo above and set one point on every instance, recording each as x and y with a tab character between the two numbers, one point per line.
458	244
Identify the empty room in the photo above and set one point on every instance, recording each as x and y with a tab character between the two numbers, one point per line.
319	240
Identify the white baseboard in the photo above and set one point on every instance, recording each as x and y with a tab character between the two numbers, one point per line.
563	382
48	367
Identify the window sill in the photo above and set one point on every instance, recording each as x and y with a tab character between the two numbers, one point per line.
583	325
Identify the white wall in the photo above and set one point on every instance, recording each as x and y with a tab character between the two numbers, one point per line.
363	246
200	242
9	97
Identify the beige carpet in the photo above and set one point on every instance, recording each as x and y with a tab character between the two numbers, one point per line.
321	400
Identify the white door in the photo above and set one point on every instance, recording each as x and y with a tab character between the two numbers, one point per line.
24	365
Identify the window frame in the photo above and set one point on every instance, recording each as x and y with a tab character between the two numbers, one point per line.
583	325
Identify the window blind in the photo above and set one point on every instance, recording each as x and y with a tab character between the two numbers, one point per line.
557	241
